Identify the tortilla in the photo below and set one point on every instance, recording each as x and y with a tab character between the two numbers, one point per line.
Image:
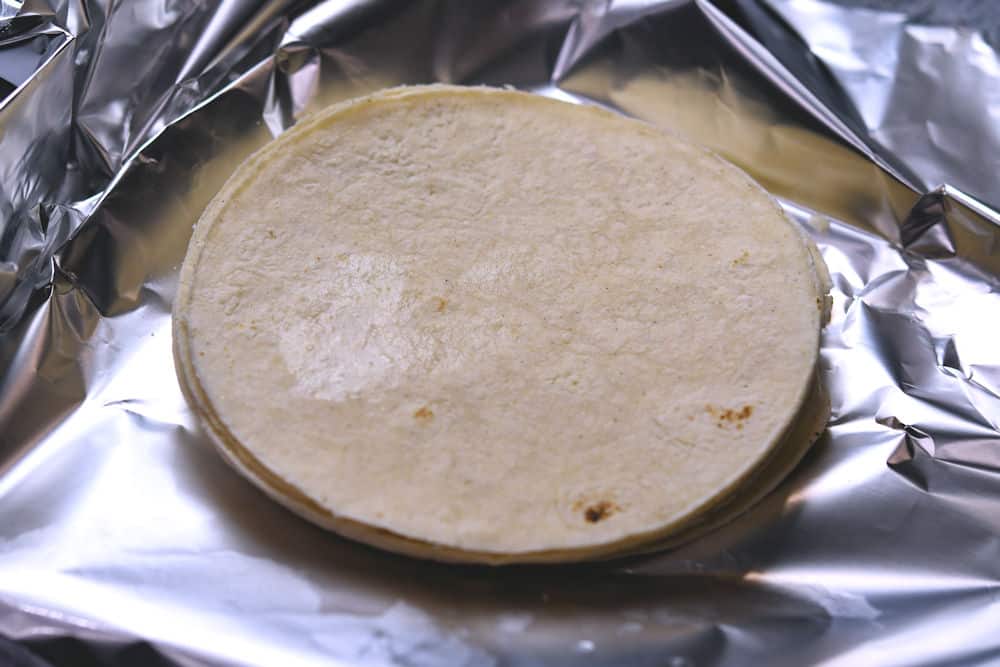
480	325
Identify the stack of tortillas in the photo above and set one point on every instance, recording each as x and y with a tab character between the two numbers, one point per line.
481	325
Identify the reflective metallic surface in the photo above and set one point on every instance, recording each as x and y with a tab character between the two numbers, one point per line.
119	523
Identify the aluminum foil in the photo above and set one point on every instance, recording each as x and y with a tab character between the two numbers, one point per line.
125	540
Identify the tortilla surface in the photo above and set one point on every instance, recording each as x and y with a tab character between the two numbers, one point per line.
480	325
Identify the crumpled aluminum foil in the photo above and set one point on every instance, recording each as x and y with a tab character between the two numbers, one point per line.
125	540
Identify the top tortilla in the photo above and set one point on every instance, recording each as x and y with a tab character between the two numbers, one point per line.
483	325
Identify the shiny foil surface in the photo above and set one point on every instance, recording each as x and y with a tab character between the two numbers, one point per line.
125	540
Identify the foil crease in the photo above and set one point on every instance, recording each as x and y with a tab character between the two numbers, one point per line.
124	538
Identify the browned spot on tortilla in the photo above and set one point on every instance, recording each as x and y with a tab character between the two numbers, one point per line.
742	259
440	304
271	234
424	414
599	511
729	417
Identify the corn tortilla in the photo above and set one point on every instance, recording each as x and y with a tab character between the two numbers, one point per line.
480	325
